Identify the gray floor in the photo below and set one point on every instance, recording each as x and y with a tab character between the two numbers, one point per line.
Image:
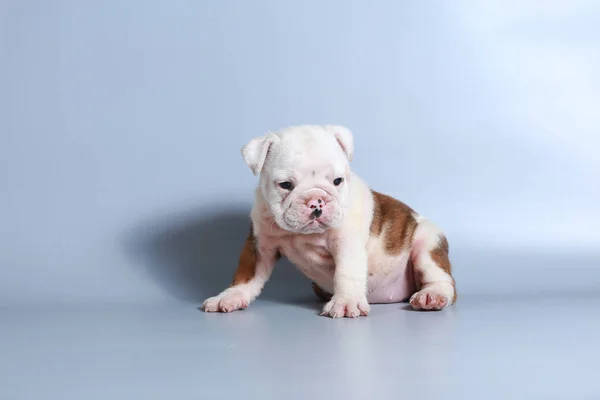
522	347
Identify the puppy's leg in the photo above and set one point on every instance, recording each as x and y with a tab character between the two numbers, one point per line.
254	270
435	284
349	282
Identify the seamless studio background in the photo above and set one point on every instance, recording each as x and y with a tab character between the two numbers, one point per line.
124	199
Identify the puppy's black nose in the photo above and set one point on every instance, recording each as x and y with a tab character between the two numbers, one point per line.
317	213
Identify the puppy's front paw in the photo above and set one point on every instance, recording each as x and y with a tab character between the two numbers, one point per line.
343	306
428	299
226	302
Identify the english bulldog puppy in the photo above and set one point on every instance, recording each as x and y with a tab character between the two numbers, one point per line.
358	246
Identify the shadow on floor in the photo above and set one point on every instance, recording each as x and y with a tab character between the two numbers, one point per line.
194	255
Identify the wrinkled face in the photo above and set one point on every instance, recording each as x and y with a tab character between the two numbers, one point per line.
305	180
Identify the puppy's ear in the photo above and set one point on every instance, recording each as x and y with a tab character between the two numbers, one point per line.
255	151
344	138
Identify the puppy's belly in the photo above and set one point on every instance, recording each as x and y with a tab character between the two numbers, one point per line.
390	280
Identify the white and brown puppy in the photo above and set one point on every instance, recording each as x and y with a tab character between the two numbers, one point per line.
358	246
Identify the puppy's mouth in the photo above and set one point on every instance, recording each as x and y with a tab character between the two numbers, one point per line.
314	223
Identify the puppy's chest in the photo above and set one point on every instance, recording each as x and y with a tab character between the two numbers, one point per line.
309	253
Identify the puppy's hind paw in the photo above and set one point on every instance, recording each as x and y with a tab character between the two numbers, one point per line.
428	299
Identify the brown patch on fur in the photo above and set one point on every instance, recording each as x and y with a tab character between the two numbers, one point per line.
321	294
247	263
395	220
440	257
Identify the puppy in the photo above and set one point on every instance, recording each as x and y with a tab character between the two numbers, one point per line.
358	246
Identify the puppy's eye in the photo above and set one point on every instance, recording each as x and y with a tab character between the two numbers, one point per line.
286	185
338	181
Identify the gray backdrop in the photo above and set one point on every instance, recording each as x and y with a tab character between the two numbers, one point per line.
121	125
124	199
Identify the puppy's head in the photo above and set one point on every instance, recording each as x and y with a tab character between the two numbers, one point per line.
304	175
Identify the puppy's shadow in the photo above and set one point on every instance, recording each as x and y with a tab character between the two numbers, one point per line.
194	255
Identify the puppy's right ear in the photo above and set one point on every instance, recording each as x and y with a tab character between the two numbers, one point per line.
255	151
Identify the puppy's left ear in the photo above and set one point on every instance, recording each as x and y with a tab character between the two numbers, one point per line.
344	138
255	151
